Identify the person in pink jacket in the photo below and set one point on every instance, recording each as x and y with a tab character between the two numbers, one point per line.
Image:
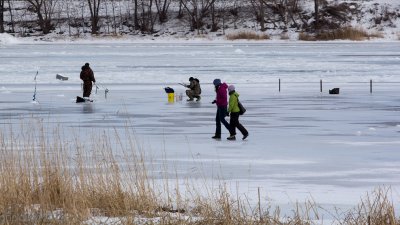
222	107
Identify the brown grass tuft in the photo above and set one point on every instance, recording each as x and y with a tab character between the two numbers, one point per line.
347	33
247	35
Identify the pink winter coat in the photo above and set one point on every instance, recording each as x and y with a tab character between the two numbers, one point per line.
222	95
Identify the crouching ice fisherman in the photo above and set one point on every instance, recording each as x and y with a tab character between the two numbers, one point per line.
194	89
87	76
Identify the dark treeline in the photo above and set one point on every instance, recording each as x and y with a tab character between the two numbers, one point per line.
74	17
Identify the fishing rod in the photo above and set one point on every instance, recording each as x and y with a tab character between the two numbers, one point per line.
34	93
102	86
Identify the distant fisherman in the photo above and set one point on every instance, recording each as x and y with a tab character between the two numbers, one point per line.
87	76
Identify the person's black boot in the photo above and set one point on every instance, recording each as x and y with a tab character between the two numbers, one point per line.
217	136
232	138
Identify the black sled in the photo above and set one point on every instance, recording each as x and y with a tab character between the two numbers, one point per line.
334	91
60	77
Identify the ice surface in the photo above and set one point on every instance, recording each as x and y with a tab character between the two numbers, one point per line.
302	142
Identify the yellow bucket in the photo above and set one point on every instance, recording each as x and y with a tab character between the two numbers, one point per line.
171	97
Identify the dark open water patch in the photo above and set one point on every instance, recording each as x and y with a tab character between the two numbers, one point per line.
381	124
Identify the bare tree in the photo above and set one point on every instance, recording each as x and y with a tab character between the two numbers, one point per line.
94	7
227	8
11	16
162	10
2	16
293	9
214	21
316	16
259	11
68	9
262	15
147	19
218	12
143	17
180	12
76	18
107	17
198	10
114	24
128	11
234	10
44	10
136	15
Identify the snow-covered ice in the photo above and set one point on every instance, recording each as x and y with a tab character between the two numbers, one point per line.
302	142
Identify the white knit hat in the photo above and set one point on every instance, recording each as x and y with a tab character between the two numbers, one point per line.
231	88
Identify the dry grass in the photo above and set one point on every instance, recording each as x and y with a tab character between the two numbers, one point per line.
347	33
375	208
41	176
306	37
55	180
247	35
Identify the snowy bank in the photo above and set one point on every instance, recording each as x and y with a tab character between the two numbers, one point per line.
6	39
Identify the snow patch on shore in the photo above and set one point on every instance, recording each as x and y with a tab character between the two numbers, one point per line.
6	39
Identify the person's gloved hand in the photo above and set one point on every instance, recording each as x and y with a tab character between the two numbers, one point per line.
215	101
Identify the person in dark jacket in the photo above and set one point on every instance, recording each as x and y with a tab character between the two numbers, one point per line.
194	89
222	104
87	76
234	110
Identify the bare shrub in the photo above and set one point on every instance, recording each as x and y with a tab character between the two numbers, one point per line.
247	35
284	36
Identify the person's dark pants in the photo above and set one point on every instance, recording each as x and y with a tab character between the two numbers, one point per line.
220	118
234	123
87	88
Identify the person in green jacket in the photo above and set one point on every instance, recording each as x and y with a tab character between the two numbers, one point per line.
233	110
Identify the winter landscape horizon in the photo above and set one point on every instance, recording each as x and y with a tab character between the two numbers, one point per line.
169	20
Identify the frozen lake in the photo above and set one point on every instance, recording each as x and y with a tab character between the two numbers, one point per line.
302	142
